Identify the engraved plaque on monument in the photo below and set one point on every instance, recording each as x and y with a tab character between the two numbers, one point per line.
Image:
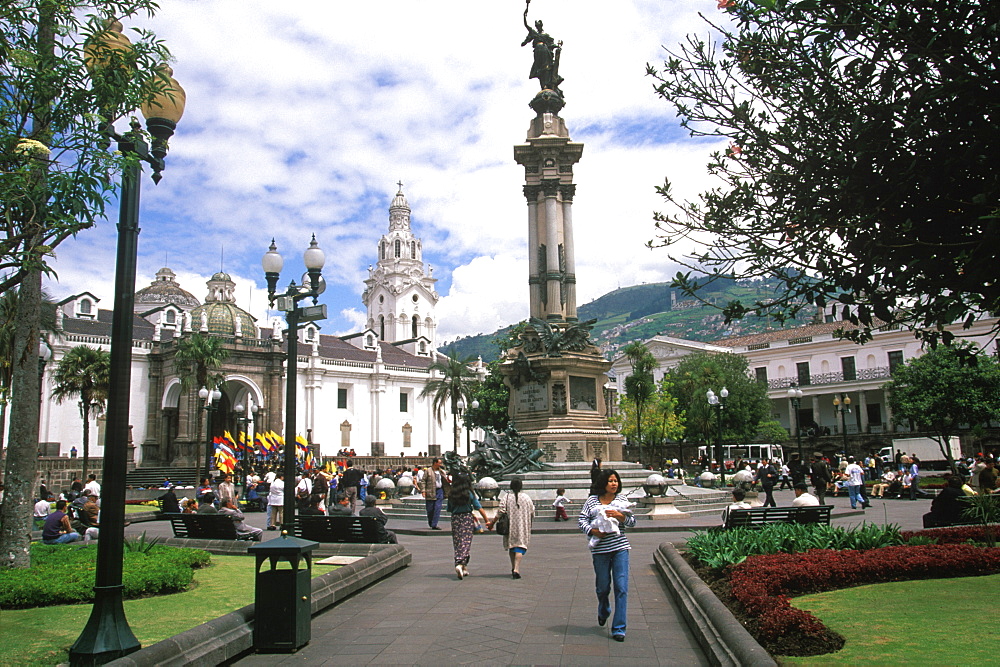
532	397
582	393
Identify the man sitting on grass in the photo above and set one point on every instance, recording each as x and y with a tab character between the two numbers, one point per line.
56	529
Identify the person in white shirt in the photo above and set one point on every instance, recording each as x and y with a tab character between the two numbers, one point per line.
92	487
802	496
855	482
276	502
738	504
41	511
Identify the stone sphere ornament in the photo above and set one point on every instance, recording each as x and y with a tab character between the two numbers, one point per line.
655	485
386	486
405	485
707	478
488	488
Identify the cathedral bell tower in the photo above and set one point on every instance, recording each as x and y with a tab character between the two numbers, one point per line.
399	295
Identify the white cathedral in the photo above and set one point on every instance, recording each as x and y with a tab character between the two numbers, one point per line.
360	391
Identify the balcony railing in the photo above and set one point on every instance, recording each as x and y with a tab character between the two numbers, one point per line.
861	375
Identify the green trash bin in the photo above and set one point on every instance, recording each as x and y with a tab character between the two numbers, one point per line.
282	594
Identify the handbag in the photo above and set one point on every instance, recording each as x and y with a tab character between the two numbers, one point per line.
503	524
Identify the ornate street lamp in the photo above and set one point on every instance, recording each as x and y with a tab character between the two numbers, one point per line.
211	398
719	403
107	635
844	408
288	302
795	396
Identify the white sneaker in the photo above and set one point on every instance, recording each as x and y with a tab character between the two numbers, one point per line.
465	571
459	571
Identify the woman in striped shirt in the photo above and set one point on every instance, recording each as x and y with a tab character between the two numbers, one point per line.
610	553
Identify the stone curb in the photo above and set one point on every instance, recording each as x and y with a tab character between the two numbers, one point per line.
725	640
228	636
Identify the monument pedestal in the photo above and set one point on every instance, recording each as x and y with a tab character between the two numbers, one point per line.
557	402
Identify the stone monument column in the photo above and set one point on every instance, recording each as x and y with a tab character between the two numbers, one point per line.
556	374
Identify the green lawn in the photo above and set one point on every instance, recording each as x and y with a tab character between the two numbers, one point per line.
905	622
43	636
133	509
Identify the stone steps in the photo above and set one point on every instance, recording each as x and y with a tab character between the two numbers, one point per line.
153	477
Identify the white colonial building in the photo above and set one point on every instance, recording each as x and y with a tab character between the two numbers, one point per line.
824	367
360	391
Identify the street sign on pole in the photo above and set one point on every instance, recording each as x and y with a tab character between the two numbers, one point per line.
312	313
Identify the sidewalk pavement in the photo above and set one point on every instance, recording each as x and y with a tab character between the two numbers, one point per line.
424	615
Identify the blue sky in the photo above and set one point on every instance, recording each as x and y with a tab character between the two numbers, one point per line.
302	116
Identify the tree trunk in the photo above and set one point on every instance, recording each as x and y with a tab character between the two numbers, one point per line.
22	448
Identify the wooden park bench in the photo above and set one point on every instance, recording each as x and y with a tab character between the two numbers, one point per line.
205	526
354	529
759	516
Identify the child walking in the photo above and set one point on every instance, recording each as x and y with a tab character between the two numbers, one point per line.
560	505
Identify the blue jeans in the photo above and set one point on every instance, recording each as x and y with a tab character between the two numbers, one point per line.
612	567
434	509
64	538
854	491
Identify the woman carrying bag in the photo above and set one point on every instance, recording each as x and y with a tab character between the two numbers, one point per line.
519	511
462	502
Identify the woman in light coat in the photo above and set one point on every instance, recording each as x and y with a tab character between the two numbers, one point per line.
521	510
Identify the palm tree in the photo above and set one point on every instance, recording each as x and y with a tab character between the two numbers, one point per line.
84	372
196	359
455	381
639	386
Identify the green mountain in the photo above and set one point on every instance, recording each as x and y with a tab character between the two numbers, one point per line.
643	311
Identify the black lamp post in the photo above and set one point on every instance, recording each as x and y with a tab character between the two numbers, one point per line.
211	398
244	423
468	429
107	635
844	408
719	403
313	258
44	354
795	396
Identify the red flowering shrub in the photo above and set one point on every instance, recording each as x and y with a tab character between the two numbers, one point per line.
762	584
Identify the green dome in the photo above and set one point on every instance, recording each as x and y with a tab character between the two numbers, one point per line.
222	318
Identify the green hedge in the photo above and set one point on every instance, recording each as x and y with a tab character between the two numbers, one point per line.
65	574
719	548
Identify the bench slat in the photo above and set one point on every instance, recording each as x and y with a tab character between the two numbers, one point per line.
759	516
351	529
203	526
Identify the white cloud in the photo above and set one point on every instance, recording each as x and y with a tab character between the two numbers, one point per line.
301	116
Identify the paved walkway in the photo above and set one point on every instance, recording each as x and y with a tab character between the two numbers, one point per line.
424	615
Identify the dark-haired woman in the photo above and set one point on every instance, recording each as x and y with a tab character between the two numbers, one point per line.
610	552
521	511
461	503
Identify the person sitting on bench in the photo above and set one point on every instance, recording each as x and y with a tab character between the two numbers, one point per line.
342	507
738	503
384	536
245	531
802	496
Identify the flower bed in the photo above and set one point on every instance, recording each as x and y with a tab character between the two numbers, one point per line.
761	586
